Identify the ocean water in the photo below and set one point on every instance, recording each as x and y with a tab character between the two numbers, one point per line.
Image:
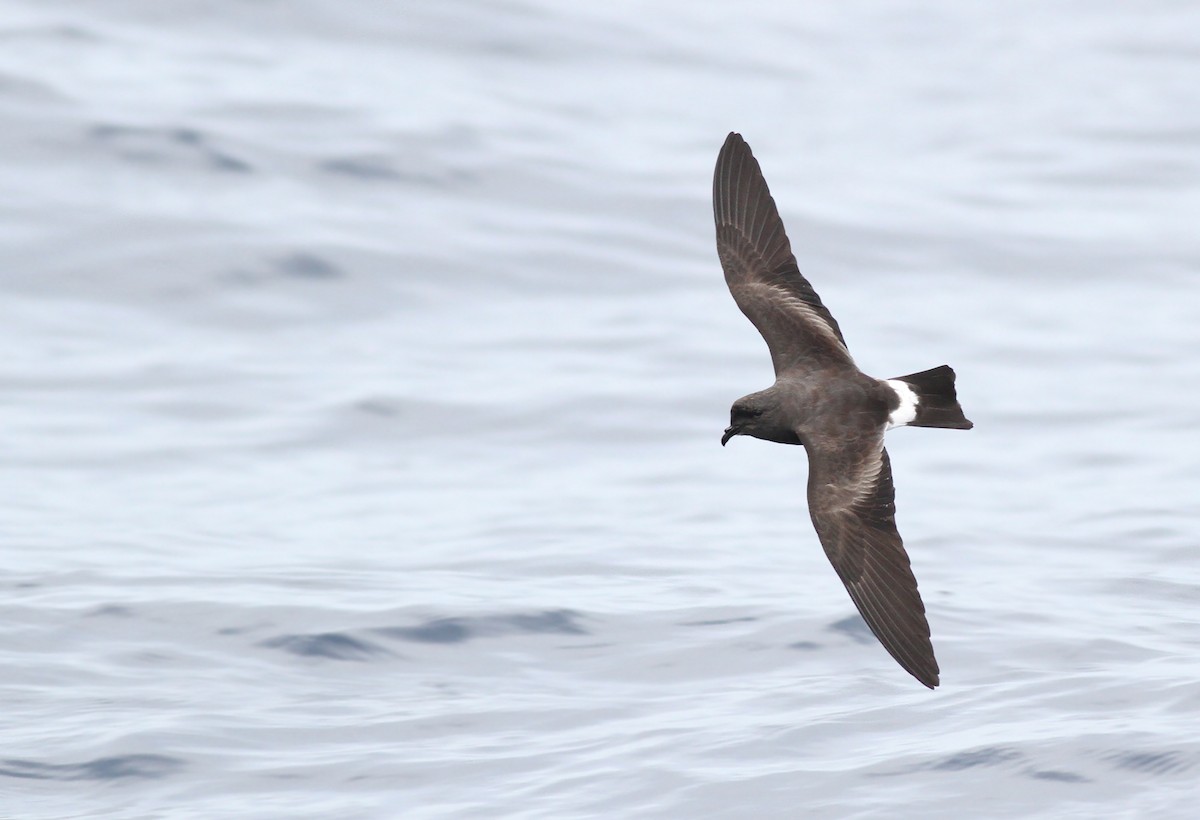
365	367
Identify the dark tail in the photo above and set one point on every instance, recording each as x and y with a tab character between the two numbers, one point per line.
937	403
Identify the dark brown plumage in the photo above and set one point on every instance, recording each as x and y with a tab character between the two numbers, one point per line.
821	400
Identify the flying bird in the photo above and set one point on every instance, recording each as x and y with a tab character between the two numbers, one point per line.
821	400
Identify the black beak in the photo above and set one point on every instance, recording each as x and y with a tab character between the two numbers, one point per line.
730	432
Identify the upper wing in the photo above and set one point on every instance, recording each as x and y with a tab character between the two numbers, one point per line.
853	506
759	266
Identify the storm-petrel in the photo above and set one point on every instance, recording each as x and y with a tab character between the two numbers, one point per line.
821	400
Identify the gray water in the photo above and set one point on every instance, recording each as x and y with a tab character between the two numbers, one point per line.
365	364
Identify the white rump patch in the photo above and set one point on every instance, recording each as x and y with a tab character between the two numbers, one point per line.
907	411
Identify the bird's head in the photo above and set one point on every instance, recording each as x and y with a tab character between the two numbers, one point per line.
761	415
744	417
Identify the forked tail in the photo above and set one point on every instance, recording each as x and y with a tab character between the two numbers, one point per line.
927	399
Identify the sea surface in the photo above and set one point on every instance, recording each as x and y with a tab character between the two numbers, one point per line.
364	367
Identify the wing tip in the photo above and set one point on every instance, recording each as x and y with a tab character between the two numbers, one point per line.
923	667
735	142
915	661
